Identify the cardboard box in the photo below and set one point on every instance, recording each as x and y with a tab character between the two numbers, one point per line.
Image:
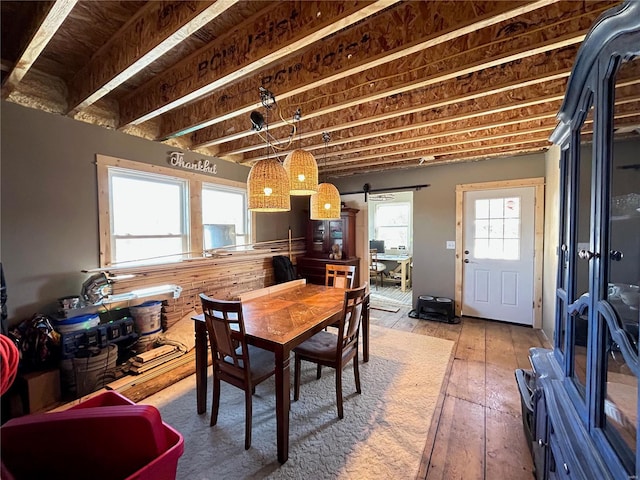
41	390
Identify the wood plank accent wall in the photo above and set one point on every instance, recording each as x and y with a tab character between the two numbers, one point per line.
223	277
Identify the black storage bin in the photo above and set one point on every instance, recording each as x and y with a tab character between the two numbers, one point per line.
526	385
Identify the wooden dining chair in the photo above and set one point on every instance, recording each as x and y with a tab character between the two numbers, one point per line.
234	361
335	351
340	276
375	267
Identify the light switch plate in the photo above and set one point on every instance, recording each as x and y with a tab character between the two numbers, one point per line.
451	245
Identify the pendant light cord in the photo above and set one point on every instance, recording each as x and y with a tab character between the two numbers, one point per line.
325	137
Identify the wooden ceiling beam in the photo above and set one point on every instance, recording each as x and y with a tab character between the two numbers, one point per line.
541	79
473	113
477	115
514	146
152	32
448	61
260	41
359	48
626	115
446	159
448	143
51	21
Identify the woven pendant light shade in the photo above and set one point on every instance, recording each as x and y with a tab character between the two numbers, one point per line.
325	205
268	187
302	169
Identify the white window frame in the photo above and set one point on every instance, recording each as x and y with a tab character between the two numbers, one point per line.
374	223
155	178
193	214
246	217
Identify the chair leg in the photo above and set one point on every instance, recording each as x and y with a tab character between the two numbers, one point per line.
339	391
216	399
296	380
319	372
356	373
247	420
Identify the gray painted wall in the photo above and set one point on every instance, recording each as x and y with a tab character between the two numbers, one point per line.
434	210
49	207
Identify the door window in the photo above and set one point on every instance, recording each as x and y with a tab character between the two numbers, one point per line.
497	228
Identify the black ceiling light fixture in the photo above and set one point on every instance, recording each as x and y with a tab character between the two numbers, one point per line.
258	122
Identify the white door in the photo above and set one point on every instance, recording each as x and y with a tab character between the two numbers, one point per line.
498	254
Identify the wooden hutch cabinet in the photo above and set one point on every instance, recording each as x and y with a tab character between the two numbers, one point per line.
585	418
321	236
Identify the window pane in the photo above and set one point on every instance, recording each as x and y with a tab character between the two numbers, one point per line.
482	228
511	249
394	214
146	206
481	248
482	208
139	249
511	228
224	207
512	207
393	236
496	228
496	209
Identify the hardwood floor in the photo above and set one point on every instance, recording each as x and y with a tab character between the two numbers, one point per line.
477	430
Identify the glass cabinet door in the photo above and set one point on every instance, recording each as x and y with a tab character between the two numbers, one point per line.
563	256
317	233
335	233
579	254
622	269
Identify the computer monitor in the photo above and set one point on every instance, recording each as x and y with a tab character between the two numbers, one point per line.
377	244
219	235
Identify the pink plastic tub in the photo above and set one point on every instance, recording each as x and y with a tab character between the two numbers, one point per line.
105	437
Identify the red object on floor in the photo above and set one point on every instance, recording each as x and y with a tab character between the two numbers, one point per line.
107	437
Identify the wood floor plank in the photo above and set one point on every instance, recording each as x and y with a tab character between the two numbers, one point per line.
502	392
523	339
425	327
508	456
471	344
459	450
447	331
499	345
467	381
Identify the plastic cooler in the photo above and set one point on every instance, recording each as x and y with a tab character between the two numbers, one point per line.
105	437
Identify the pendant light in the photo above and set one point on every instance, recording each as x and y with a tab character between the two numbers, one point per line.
268	182
302	169
325	204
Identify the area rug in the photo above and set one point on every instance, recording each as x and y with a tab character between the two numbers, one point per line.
382	435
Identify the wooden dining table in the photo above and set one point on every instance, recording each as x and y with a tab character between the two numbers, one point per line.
278	321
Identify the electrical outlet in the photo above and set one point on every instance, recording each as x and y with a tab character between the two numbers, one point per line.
451	245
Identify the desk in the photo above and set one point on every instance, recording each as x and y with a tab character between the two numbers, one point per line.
405	267
279	321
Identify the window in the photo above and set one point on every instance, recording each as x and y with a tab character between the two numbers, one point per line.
225	216
497	228
153	214
148	216
391	221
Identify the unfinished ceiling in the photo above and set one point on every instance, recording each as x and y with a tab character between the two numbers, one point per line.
395	84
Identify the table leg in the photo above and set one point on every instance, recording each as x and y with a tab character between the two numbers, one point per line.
201	365
283	403
403	272
365	330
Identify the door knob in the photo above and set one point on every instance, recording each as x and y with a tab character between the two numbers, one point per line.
586	254
615	255
466	260
466	252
